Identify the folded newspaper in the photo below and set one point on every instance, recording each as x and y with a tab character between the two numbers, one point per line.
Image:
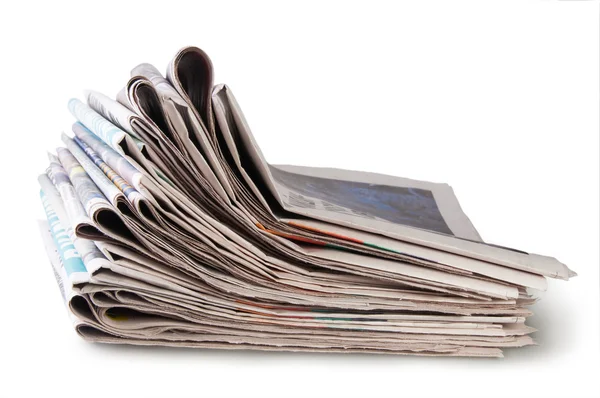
167	226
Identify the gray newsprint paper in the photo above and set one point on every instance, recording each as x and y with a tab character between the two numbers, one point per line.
165	225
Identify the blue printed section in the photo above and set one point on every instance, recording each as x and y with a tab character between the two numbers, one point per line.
97	124
104	129
66	250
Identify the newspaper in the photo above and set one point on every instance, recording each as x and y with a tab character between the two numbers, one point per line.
165	225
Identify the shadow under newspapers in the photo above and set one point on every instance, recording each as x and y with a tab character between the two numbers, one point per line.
166	226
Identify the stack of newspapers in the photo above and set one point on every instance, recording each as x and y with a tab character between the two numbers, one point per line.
167	226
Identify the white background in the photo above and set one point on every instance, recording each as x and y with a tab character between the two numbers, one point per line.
499	99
